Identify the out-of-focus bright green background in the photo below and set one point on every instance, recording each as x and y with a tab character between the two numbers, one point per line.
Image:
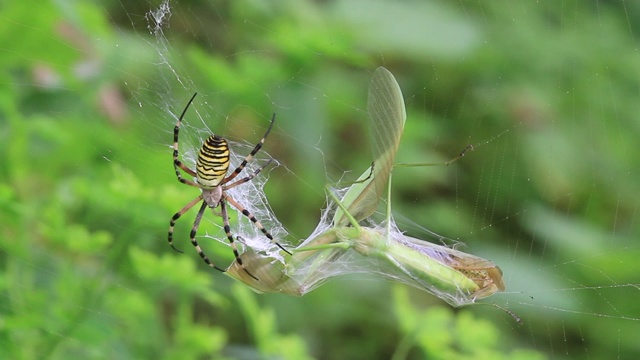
547	91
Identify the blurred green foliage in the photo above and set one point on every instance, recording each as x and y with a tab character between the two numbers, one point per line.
546	90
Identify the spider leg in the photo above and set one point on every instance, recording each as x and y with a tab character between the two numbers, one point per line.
227	230
195	244
177	164
253	219
248	178
251	155
175	218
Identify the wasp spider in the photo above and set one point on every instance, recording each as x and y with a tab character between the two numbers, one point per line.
211	178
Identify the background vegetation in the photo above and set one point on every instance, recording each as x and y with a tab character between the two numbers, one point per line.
546	90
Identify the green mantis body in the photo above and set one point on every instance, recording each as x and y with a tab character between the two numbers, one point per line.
348	247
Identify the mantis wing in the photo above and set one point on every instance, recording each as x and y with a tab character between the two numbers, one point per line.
388	115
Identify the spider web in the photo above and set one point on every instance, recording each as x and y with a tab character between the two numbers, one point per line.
195	128
579	258
533	286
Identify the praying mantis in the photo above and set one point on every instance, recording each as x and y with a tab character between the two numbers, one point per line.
343	244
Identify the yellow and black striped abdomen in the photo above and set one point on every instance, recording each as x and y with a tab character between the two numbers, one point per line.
213	161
